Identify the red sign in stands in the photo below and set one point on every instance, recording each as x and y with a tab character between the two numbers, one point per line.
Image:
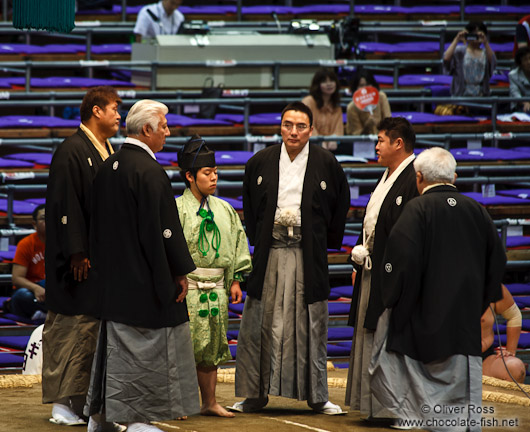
366	98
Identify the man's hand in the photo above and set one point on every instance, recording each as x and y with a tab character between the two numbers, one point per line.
182	285
79	265
40	294
505	353
235	292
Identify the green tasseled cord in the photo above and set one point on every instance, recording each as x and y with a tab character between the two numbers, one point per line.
51	15
208	225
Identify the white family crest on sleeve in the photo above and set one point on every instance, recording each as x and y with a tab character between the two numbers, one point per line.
115	165
260	179
399	200
167	233
64	220
388	267
451	201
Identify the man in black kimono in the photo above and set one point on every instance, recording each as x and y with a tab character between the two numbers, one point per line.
144	368
396	187
442	267
70	330
295	200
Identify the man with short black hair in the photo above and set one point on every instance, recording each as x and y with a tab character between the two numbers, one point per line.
162	18
396	187
295	201
70	330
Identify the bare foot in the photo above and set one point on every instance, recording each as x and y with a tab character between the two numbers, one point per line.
182	418
216	410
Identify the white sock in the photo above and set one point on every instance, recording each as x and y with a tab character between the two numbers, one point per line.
64	411
142	427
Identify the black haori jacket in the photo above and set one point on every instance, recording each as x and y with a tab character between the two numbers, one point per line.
325	204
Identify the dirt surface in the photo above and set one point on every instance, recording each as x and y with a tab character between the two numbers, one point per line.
21	410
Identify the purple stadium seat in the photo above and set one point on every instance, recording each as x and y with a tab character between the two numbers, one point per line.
8	254
233	350
266	10
522	301
343	291
5	321
350	240
11	360
338	350
232	157
19	207
17	121
233	315
237	308
487	154
518	241
524	340
180	120
516	193
424	79
9	163
496	200
18	49
111	49
481	10
15	342
339	308
232	334
234	202
518	289
340	333
36	201
208	10
35	158
422	117
361	201
322	9
68	82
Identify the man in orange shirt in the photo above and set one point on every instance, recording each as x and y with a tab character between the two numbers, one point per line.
28	271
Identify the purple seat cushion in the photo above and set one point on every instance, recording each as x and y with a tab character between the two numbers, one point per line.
237	308
487	153
233	315
232	334
517	241
522	302
232	118
208	10
39	158
167	156
361	201
496	200
180	120
9	163
234	202
67	82
16	121
479	10
19	207
424	79
442	9
18	49
518	289
17	342
378	9
259	10
384	79
517	193
37	201
338	351
233	350
340	333
61	49
22	319
522	149
8	254
236	157
422	117
265	119
11	360
322	9
5	321
524	340
111	49
343	291
339	308
350	240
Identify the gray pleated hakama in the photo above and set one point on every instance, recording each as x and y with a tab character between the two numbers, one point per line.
358	392
142	375
281	348
447	393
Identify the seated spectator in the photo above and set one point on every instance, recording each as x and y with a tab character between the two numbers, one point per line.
471	64
364	122
520	79
162	18
324	101
522	34
28	271
492	362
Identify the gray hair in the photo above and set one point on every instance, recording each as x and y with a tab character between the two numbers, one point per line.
436	164
143	112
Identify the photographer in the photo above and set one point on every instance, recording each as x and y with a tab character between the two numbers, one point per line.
471	64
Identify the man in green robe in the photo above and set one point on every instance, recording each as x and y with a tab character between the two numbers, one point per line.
218	245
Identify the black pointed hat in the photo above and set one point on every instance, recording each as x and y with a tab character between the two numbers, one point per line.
195	154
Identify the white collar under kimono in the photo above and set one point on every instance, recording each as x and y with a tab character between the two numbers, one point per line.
141	144
360	254
290	187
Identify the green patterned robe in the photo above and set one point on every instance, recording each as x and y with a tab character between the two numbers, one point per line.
209	333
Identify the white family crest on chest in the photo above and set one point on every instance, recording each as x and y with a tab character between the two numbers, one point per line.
451	201
388	268
64	220
259	180
115	165
323	185
399	200
167	233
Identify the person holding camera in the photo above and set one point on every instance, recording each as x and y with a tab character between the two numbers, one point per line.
471	64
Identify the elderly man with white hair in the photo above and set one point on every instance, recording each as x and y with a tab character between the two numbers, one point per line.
442	267
144	367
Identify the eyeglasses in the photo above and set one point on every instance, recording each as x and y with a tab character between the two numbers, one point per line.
299	127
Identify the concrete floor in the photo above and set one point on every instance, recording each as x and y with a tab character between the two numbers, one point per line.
21	410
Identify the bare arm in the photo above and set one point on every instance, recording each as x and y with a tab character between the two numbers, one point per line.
18	276
490	55
512	333
448	54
